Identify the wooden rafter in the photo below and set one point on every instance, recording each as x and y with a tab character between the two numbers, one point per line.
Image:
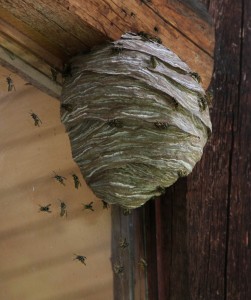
33	76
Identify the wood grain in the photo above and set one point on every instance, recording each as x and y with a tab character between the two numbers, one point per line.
132	283
74	26
25	30
113	18
30	14
204	221
238	270
191	20
18	39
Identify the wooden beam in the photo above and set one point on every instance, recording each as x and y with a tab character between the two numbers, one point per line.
192	21
33	76
203	221
115	17
75	26
31	59
33	35
15	36
55	23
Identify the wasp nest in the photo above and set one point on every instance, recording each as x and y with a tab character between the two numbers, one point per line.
137	119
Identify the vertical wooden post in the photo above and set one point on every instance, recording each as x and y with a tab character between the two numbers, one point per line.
203	228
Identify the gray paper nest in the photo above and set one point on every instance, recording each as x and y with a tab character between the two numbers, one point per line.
137	119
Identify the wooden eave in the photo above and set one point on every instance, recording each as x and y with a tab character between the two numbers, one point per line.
37	36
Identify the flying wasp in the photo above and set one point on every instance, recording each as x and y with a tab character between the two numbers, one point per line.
161	125
76	181
127	211
202	101
182	173
59	178
88	206
153	62
36	119
195	76
123	243
118	269
148	37
117	48
142	262
209	98
115	123
45	208
81	258
63	210
10	83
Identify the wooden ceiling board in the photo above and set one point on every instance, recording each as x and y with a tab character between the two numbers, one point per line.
25	54
13	36
29	14
25	30
20	50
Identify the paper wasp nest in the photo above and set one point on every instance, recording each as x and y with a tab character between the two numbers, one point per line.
137	119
